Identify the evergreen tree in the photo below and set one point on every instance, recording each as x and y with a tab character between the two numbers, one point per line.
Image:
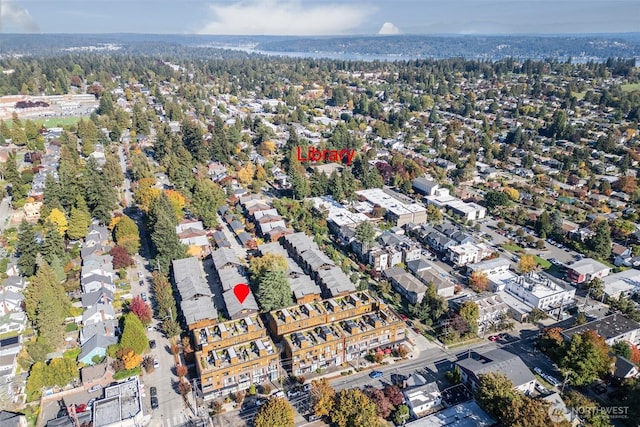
47	305
274	291
79	220
543	225
53	244
27	248
163	221
52	193
101	198
134	334
207	197
600	243
127	235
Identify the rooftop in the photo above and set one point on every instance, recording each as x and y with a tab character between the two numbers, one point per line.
230	329
608	327
241	353
121	402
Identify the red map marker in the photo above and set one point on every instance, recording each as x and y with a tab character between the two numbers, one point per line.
241	291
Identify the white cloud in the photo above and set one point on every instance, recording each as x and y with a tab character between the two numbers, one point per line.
14	18
388	29
287	17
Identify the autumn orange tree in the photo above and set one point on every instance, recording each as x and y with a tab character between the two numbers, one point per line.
479	281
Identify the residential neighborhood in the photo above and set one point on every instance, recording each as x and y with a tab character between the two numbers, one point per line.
460	238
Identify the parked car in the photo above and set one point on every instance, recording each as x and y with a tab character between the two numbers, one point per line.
293	393
153	392
95	388
600	389
552	380
538	371
143	296
279	393
156	364
494	338
306	387
154	403
376	374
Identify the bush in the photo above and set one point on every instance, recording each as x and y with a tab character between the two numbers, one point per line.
252	390
239	397
402	351
265	389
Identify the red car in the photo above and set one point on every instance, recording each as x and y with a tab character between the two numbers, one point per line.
494	338
403	317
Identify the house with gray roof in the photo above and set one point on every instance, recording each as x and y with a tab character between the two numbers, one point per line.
406	284
108	327
196	298
334	282
237	309
497	361
95	346
225	258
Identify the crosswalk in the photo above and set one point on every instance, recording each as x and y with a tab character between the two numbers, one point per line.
178	420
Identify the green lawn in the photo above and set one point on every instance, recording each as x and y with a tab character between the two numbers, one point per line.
512	247
52	122
542	262
630	87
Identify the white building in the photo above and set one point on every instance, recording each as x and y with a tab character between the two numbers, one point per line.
540	292
468	253
400	210
626	282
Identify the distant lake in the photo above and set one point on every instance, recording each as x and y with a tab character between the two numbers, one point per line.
346	56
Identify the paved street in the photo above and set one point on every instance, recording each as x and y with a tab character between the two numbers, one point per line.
5	213
240	251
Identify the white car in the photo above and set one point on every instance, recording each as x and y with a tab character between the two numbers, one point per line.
538	371
156	364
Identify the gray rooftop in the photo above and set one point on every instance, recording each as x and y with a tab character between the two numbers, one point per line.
608	327
197	309
468	414
223	257
189	278
500	361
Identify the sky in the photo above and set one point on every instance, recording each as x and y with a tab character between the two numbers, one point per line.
319	17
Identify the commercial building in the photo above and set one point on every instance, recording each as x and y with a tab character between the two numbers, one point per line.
538	291
232	355
399	210
612	328
586	269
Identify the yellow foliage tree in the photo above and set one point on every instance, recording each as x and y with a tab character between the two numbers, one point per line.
266	148
59	219
145	196
512	193
261	174
114	221
245	173
131	360
177	201
147	182
527	264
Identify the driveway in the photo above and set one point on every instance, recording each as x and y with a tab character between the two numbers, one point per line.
231	237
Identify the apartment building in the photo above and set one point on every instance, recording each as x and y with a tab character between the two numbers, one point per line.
328	333
468	253
232	355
